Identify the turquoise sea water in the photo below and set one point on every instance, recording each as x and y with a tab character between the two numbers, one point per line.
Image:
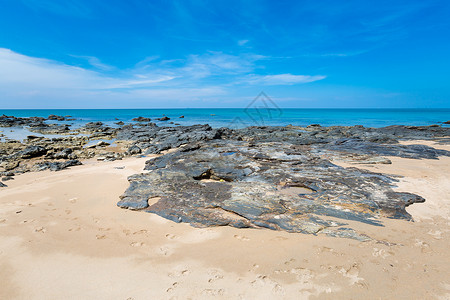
238	117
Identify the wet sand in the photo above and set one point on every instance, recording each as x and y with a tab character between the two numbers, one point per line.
63	237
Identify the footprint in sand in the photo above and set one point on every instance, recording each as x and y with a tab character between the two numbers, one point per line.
436	234
170	289
352	273
75	229
380	253
214	275
2	221
170	236
303	275
68	211
179	272
288	262
40	229
142	231
213	292
100	237
73	200
164	251
254	267
241	237
424	247
264	281
137	244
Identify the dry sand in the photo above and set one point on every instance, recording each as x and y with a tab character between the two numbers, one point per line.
63	237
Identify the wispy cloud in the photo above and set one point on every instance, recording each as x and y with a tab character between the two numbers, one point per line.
95	62
282	79
242	42
195	77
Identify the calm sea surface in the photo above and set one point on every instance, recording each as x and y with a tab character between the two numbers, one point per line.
238	117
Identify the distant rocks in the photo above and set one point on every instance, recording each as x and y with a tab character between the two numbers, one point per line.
55	117
9	121
181	117
141	119
447	122
163	119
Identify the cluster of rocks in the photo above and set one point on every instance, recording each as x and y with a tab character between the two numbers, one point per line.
281	178
37	153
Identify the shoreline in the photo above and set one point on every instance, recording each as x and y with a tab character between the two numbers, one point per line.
76	242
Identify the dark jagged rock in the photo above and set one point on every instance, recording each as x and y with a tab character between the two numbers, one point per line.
182	117
3	185
57	118
10	121
8	177
43	128
361	147
270	185
154	139
63	154
163	119
133	150
57	165
447	122
141	119
33	151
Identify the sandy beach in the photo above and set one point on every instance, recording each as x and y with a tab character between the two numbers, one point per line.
63	237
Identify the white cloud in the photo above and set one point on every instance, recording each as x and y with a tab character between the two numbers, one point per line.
95	62
282	79
242	42
48	83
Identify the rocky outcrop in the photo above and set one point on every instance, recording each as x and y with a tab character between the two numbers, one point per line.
56	165
279	178
33	151
271	185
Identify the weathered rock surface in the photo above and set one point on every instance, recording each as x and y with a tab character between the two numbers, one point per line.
33	151
272	185
275	177
56	165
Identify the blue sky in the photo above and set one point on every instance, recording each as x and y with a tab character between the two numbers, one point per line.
157	54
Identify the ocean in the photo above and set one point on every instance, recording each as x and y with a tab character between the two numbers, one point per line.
238	117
